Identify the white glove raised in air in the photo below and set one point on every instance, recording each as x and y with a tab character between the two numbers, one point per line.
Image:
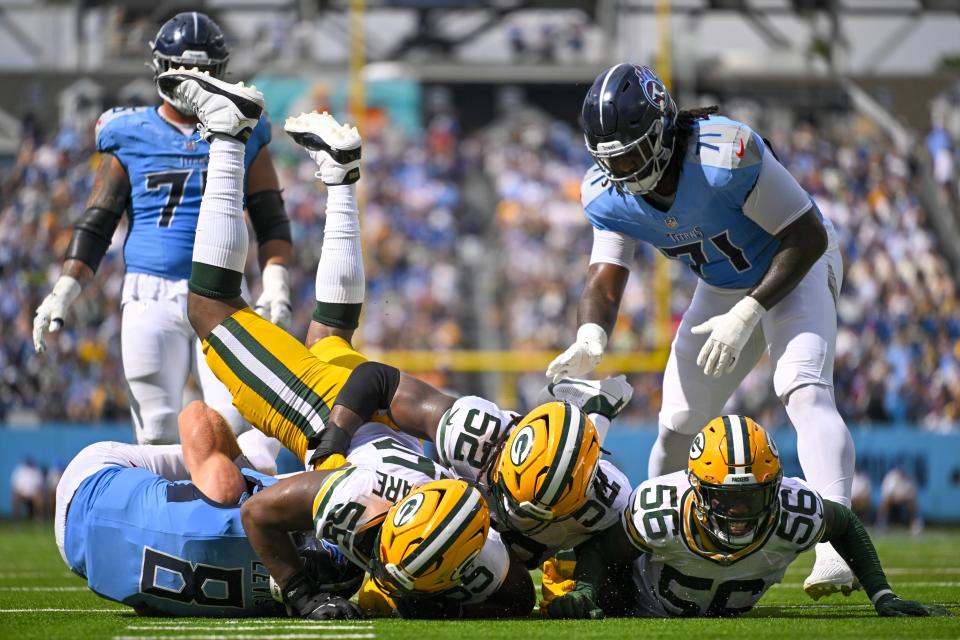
274	303
582	356
729	333
50	313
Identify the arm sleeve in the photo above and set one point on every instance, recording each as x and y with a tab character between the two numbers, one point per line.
612	247
268	216
847	535
777	199
92	235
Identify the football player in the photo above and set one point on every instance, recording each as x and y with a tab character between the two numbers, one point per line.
157	527
153	165
710	192
711	540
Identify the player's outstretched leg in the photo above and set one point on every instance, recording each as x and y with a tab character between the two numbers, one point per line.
340	284
227	114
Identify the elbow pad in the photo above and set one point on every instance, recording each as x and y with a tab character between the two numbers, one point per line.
92	235
268	216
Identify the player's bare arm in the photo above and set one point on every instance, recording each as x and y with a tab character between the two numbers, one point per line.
801	245
602	293
89	243
268	518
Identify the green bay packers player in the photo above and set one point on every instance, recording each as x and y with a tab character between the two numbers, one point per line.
285	389
711	540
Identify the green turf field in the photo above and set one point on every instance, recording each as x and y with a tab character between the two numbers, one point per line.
40	598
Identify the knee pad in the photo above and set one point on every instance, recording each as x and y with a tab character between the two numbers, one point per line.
686	423
808	396
157	426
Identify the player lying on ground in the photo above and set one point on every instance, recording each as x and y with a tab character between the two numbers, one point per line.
286	390
283	388
710	192
153	164
157	527
711	540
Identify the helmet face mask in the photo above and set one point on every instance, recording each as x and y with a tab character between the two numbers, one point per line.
637	166
735	473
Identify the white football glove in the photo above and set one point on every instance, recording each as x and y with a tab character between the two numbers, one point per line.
729	333
582	356
608	397
335	147
274	303
50	313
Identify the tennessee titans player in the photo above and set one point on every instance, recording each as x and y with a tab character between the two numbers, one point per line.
158	528
710	192
153	166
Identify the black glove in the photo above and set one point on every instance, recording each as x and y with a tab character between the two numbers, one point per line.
579	603
330	571
891	605
428	607
331	441
302	595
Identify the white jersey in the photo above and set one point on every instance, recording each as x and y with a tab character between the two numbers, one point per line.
384	467
468	437
681	574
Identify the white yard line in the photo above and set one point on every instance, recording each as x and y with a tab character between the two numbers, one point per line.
16	575
50	589
57	610
282	636
252	627
904	583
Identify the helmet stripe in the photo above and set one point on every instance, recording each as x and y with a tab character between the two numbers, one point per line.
196	28
603	89
571	440
745	429
731	454
445	534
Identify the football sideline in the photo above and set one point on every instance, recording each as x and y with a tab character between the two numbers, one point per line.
40	599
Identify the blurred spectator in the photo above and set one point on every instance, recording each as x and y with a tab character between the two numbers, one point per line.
898	501
940	148
29	490
862	496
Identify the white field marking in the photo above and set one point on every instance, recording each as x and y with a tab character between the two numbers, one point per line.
55	610
282	636
268	622
253	627
15	575
904	571
51	589
905	583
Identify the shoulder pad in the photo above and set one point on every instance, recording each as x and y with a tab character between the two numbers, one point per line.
594	183
725	148
109	121
607	497
652	516
485	574
347	506
801	514
469	434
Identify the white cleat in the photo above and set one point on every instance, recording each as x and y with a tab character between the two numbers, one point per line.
608	397
221	107
830	574
335	147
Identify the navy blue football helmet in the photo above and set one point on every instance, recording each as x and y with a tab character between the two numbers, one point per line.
629	122
190	39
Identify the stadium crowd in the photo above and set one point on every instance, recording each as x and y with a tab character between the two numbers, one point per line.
898	355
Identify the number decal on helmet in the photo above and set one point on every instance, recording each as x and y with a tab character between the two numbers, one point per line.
522	446
407	510
696	449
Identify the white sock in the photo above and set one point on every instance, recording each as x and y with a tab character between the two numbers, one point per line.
824	445
340	277
222	239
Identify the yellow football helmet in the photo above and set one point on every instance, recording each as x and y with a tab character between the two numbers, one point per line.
735	472
429	538
544	470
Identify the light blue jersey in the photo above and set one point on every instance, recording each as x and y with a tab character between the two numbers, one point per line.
162	547
167	172
706	227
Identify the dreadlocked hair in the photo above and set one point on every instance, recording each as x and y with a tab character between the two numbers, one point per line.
686	119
